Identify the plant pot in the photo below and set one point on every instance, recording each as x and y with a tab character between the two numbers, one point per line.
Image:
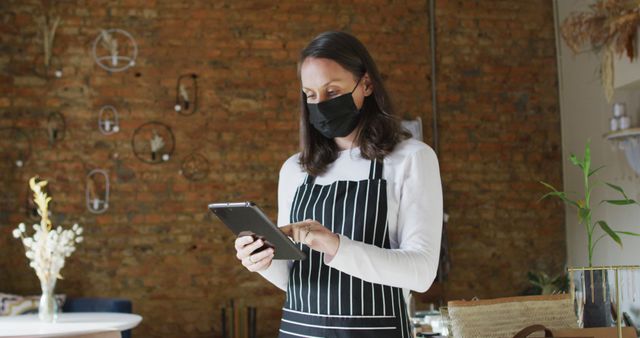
597	307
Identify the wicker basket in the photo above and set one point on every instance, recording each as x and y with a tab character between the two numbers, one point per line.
504	317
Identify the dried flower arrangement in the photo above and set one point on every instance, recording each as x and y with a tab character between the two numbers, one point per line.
47	249
48	26
185	96
110	44
156	143
48	34
610	26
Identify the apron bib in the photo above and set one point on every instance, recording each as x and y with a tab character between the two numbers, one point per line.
324	302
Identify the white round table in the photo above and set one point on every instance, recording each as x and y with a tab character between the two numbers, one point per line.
69	324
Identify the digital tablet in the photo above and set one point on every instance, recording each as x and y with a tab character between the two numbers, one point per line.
247	217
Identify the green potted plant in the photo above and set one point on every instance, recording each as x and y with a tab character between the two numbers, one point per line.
597	306
543	284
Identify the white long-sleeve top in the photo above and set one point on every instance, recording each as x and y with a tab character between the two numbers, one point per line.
414	203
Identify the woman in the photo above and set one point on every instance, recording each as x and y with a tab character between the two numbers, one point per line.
362	198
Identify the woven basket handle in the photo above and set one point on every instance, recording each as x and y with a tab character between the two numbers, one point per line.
524	333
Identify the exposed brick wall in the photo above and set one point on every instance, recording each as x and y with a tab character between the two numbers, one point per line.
500	125
158	246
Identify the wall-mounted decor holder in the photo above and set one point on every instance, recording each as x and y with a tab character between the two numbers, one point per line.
47	71
153	142
18	143
56	127
108	120
187	95
111	54
97	196
195	167
627	140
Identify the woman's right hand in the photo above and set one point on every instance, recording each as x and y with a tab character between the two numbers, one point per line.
245	246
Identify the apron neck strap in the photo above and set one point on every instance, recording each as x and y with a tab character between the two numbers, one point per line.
309	179
375	172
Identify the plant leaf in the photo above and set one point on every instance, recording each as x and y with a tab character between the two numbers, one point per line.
548	185
562	196
575	161
621	202
595	170
583	213
559	194
605	227
587	158
628	233
617	188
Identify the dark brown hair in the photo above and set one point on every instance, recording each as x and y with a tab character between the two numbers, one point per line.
379	131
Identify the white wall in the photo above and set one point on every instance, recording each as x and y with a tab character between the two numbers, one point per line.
585	114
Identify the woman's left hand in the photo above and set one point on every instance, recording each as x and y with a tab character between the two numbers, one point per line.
314	235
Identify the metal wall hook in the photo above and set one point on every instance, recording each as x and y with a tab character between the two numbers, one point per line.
97	202
107	48
153	142
108	120
195	167
56	127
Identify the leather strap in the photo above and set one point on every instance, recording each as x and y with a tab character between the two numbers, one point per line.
524	333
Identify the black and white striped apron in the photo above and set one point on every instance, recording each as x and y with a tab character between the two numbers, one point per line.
324	302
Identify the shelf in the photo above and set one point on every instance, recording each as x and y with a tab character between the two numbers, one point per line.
614	135
627	140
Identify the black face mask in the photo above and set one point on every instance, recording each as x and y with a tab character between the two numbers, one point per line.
336	117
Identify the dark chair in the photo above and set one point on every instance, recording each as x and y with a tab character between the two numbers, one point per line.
99	305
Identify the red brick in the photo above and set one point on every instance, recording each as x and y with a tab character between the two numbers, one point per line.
247	125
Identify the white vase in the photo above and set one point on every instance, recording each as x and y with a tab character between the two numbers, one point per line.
48	307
